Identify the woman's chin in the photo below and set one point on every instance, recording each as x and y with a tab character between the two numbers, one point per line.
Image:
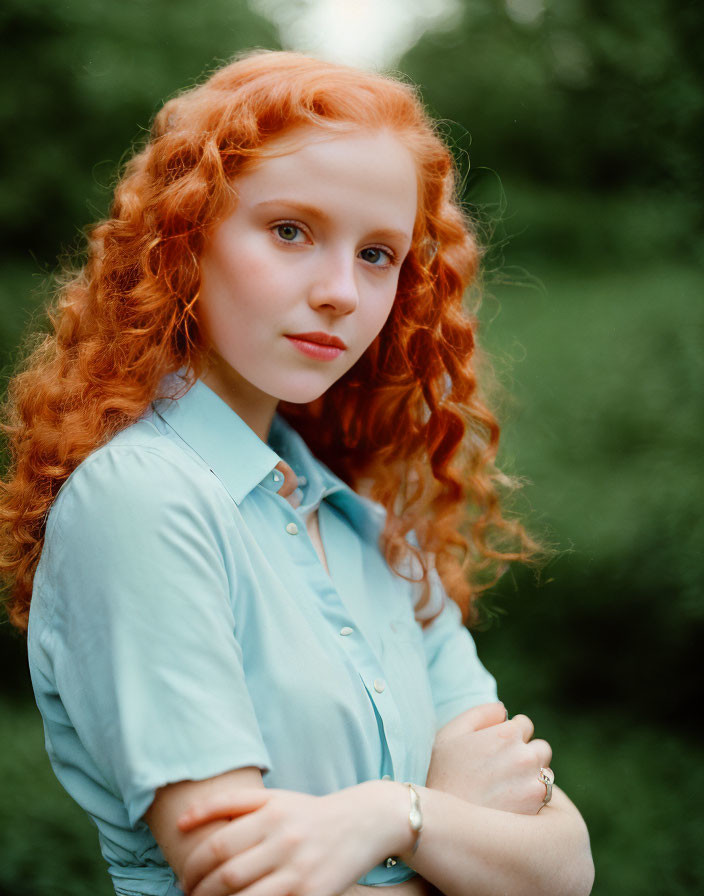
303	393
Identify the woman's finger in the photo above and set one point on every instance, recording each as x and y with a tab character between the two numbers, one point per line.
543	752
240	871
486	715
525	726
225	843
224	804
280	883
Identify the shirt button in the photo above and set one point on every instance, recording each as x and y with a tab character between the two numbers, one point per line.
292	528
276	477
346	630
386	777
379	685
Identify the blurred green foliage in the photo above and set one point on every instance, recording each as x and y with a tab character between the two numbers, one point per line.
589	96
578	127
605	423
83	81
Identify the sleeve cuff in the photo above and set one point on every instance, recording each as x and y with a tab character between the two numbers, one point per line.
142	795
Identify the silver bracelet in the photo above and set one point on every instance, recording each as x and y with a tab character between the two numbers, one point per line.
415	818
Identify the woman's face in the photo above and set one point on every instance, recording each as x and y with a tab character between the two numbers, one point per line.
314	245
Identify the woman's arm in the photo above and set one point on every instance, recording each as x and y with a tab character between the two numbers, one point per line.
485	763
467	847
318	846
172	801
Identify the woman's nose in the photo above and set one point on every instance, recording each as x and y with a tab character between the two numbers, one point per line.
335	284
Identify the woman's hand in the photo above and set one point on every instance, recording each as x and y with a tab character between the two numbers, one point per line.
282	841
482	757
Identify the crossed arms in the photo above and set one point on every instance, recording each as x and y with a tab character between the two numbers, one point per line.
485	830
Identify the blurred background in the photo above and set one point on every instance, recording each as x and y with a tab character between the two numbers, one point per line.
578	127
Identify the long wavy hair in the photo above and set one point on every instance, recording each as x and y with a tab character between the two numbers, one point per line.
406	424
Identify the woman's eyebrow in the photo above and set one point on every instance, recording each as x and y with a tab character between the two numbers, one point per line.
314	212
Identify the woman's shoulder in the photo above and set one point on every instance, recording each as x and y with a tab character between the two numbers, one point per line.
137	521
139	467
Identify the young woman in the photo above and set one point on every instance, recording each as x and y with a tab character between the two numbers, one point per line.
252	500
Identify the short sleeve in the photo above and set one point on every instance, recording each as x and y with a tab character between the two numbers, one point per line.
458	680
142	635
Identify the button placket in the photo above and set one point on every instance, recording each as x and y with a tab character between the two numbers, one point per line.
358	649
295	528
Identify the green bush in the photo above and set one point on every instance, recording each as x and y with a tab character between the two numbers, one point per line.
606	424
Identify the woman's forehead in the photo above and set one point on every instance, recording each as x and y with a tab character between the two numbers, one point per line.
300	136
339	171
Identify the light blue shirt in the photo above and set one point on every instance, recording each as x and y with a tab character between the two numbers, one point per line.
183	625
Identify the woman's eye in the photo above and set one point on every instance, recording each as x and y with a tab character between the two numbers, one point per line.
287	231
374	254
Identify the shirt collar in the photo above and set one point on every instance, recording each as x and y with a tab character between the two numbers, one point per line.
242	461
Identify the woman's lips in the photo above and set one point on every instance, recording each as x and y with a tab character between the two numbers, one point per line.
315	349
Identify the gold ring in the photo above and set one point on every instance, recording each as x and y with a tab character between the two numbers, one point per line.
547	776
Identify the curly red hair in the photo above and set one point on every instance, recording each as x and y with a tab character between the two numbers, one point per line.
405	423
